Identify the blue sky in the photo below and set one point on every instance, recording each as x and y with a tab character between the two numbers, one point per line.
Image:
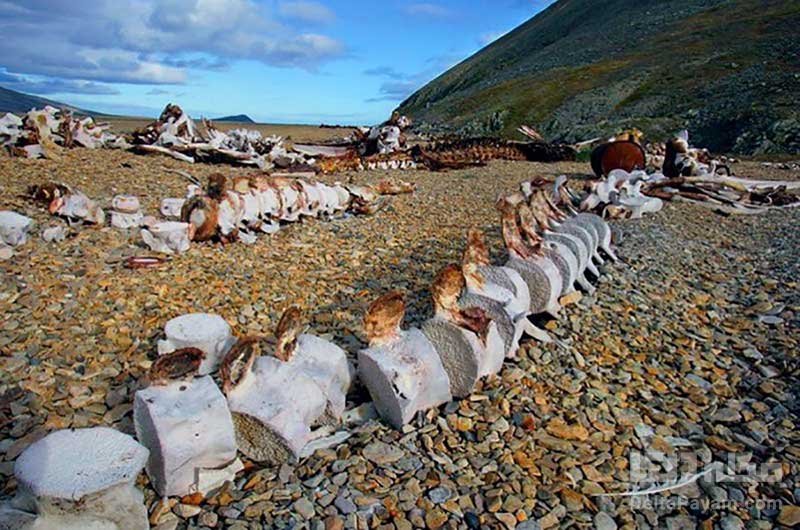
284	61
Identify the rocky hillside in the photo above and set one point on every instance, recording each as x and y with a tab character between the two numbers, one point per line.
728	70
20	103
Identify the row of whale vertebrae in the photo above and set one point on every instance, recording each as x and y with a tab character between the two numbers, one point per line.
482	310
258	204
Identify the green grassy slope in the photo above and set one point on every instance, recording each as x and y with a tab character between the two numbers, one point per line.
728	70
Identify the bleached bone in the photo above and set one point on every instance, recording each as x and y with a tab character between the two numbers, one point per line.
171	207
54	234
231	213
401	369
10	126
274	407
543	279
167	237
632	199
209	333
188	429
499	291
313	198
326	364
76	206
157	149
277	400
126	204
126	220
591	221
79	479
586	232
466	340
14	228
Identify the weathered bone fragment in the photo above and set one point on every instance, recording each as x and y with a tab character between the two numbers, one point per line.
562	196
386	187
540	274
208	333
401	369
126	212
68	203
466	340
500	292
324	362
168	237
14	228
171	207
272	424
185	423
55	234
79	479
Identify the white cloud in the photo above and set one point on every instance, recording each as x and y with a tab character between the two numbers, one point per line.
156	41
311	12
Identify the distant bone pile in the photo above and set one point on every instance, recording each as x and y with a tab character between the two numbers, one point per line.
625	188
448	154
175	134
40	134
44	133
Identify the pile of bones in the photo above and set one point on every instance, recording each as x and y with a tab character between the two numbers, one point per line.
626	189
175	134
44	133
191	426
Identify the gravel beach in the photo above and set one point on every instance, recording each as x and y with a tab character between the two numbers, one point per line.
686	356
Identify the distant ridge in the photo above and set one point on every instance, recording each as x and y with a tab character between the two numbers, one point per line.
20	103
239	118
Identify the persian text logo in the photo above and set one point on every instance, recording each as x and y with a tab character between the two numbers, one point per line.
652	473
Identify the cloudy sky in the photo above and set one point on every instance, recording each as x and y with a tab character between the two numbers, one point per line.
296	61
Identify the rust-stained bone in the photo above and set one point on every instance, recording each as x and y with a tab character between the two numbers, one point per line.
466	339
271	424
401	369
